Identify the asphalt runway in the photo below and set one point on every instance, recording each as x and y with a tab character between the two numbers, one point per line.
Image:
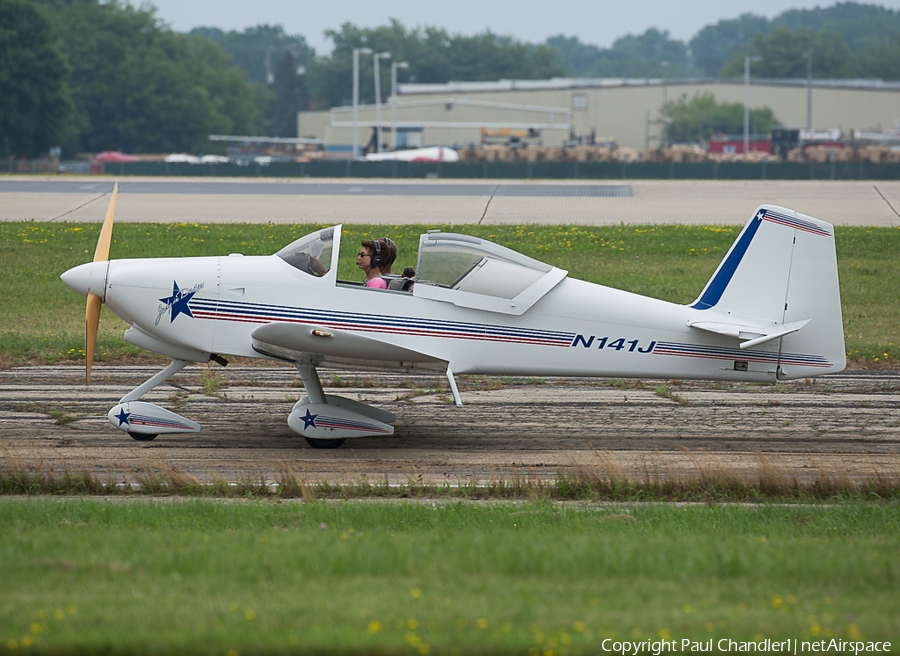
443	202
839	425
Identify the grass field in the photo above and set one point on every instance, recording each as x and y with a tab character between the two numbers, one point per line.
44	319
245	577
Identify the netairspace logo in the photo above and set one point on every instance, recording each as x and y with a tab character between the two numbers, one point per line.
793	646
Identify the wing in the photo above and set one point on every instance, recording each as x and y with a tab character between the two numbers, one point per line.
296	342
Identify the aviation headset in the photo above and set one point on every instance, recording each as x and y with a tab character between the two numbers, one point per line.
378	259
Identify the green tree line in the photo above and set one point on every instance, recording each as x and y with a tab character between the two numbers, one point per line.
848	39
92	75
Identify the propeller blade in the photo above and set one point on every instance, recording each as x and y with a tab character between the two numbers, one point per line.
92	313
91	326
102	252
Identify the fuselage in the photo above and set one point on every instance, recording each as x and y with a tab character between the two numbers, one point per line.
211	305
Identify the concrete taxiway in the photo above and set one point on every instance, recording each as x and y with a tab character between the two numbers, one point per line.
837	425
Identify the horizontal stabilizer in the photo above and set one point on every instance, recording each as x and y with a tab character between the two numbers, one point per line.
784	329
752	335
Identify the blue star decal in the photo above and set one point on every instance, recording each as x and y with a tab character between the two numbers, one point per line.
123	417
309	420
178	302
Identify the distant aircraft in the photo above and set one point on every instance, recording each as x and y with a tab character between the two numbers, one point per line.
770	312
431	154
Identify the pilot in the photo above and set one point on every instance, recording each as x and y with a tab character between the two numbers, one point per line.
375	259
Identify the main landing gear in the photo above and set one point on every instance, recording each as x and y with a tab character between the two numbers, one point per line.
326	420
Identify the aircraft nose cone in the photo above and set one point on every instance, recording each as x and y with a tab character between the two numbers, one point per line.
88	278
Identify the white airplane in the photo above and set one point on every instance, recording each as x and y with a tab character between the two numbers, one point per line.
770	312
430	154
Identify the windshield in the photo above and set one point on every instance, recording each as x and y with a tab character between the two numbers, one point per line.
311	254
470	264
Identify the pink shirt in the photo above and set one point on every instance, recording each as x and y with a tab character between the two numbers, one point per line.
377	283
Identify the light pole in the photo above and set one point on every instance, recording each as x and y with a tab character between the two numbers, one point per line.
808	55
665	125
356	53
747	61
394	68
378	56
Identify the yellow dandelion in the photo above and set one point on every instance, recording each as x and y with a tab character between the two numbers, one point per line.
375	626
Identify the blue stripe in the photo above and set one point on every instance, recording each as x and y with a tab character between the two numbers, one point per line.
800	223
729	353
713	292
348	423
312	315
138	419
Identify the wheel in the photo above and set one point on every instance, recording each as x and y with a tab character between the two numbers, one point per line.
141	437
317	443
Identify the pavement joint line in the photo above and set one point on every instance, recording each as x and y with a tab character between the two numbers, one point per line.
75	209
888	203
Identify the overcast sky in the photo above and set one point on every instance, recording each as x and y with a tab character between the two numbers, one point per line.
598	22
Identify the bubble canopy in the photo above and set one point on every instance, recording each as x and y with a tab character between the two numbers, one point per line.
471	272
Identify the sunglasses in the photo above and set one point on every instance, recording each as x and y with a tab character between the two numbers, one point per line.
363	254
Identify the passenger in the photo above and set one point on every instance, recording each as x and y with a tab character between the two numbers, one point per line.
391	258
375	259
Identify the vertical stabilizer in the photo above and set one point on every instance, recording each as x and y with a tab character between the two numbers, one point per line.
781	277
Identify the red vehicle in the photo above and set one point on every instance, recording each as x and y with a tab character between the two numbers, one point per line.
112	156
735	145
